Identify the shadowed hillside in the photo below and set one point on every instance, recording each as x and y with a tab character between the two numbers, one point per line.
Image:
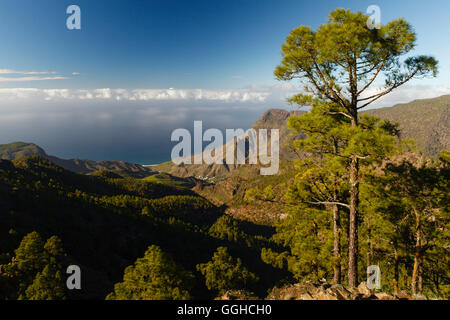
106	222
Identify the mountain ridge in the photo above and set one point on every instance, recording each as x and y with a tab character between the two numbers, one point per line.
17	150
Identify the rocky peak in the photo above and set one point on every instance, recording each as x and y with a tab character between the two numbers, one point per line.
274	118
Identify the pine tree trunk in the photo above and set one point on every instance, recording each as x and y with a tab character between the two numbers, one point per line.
420	284
315	262
354	204
417	258
368	253
353	224
369	248
396	273
337	245
415	273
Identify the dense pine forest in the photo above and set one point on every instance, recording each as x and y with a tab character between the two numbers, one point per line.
104	223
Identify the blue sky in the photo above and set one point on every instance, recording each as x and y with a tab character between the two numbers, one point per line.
182	44
217	55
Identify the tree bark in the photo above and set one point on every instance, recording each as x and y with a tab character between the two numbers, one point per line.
415	273
420	284
369	254
417	257
396	273
354	204
315	262
337	245
353	224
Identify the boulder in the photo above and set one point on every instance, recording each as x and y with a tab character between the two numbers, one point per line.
341	291
364	290
384	296
402	295
326	296
306	296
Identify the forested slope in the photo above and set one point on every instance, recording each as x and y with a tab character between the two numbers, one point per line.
106	222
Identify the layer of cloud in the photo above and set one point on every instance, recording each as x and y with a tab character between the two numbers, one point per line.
136	125
238	95
122	124
272	96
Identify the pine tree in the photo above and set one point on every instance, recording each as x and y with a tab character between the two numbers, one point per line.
322	180
411	197
49	284
386	226
224	272
331	140
339	63
37	269
54	246
30	254
154	277
307	233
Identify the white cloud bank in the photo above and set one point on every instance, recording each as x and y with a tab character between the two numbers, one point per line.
238	95
270	96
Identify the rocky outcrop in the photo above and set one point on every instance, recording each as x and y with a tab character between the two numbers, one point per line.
237	295
326	291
